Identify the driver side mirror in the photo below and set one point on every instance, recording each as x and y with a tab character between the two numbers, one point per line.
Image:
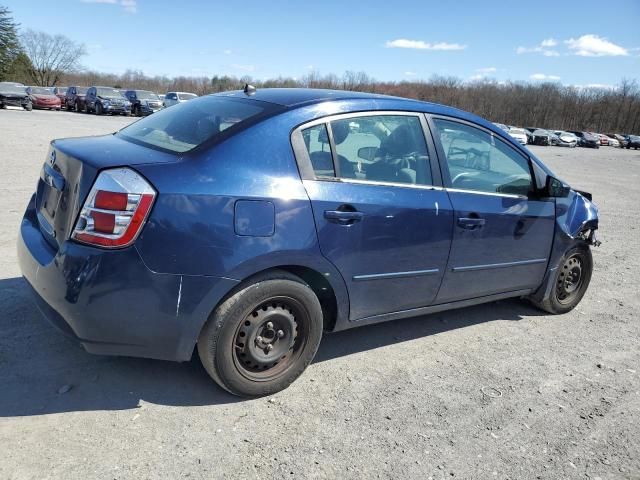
556	188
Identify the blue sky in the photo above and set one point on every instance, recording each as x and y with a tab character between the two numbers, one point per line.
573	42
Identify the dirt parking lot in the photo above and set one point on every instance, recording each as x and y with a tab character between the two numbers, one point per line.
496	391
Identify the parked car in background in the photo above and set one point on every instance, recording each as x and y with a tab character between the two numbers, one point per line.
75	98
161	97
613	142
14	95
540	136
107	100
173	98
585	139
165	237
633	141
143	102
604	140
61	93
566	139
519	134
43	98
622	141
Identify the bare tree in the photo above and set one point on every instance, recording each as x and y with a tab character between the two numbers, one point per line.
51	56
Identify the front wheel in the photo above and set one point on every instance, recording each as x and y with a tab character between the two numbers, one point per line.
261	339
570	281
98	110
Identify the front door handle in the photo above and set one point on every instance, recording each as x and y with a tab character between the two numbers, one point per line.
343	217
470	223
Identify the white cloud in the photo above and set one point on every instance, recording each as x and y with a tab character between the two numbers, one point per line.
227	52
594	46
410	74
421	45
544	48
486	70
129	6
542	76
244	68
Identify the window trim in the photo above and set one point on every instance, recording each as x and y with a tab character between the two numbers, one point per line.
306	168
444	165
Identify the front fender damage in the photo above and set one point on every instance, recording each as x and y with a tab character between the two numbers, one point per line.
576	222
577	217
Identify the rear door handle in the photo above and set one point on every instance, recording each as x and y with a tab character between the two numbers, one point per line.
470	223
342	217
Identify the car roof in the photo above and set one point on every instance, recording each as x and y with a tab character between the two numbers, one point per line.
293	97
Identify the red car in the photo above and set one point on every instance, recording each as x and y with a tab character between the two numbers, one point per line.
44	98
604	140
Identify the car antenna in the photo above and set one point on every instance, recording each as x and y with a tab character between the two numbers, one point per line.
249	89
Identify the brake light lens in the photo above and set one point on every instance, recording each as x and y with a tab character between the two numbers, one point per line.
115	210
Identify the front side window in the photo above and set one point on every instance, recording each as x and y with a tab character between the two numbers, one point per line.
187	125
480	161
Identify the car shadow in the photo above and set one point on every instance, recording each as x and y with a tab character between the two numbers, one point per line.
43	372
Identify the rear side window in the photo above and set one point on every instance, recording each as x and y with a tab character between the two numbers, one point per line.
185	126
316	139
377	148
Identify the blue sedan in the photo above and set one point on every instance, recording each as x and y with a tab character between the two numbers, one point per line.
248	223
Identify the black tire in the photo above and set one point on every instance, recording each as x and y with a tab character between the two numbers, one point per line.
263	336
28	107
98	110
570	281
136	111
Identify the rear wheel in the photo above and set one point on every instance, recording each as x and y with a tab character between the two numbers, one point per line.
259	340
571	281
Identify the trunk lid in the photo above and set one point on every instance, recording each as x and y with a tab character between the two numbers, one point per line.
69	172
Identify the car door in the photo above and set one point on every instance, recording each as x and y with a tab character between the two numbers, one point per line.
381	215
502	232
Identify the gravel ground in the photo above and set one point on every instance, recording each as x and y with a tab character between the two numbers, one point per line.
495	391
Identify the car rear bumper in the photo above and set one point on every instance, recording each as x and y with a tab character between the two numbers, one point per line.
111	302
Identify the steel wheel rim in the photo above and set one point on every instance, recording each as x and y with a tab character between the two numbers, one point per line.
570	279
270	339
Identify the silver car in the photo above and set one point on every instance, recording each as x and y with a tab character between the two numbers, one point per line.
173	98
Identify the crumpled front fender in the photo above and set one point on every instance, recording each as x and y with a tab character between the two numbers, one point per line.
576	214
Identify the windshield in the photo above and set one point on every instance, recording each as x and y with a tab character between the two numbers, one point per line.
108	92
40	91
62	90
81	90
6	88
187	96
146	95
518	131
187	125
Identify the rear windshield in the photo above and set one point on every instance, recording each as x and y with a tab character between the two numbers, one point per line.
187	96
187	125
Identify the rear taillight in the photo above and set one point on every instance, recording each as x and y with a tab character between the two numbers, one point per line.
115	210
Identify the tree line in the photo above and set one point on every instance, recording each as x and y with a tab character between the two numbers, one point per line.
38	58
543	105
